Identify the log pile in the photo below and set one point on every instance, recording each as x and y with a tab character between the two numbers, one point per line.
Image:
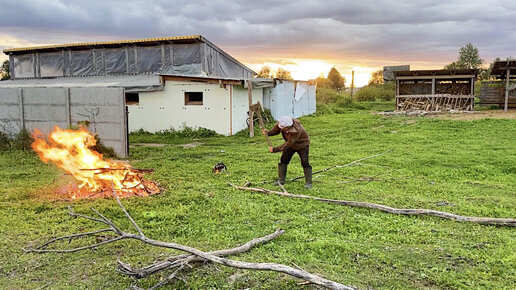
442	102
453	88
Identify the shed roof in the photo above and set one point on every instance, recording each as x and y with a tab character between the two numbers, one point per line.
501	67
439	72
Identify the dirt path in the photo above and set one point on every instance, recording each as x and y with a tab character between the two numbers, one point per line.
493	114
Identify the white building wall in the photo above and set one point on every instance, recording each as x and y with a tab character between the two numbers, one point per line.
241	106
162	110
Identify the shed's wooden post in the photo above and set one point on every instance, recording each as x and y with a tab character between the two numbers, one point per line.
508	76
472	93
251	112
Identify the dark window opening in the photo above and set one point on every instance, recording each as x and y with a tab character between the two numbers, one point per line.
132	98
193	98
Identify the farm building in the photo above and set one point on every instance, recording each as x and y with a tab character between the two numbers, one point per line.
435	90
388	71
150	84
501	91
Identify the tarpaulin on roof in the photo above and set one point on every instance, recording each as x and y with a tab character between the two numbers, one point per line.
82	63
196	59
51	64
131	83
216	63
23	66
149	59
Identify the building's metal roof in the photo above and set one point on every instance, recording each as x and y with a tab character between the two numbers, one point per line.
131	83
87	45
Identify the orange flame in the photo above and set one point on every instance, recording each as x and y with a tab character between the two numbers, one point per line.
70	151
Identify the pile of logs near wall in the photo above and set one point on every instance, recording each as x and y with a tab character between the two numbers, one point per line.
453	88
438	102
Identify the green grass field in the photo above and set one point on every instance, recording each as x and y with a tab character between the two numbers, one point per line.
463	167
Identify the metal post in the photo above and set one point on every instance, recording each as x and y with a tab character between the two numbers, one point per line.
22	111
68	108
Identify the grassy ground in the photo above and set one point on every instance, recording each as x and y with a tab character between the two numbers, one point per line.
464	167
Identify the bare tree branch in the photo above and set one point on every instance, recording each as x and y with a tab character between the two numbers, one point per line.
445	215
176	260
74	236
135	225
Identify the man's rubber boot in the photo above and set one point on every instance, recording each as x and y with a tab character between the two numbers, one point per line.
282	173
308	177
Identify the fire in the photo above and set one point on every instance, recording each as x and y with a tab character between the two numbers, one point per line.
70	151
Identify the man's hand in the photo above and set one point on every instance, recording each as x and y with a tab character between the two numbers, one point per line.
265	131
270	149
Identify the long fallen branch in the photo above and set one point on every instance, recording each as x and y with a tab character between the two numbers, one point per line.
401	211
338	166
195	254
175	261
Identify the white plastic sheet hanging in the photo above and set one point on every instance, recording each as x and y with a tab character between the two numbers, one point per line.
299	91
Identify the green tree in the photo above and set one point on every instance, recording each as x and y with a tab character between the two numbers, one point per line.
376	78
265	72
469	58
322	82
4	71
283	74
337	80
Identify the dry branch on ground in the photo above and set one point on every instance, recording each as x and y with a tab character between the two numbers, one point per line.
178	263
401	211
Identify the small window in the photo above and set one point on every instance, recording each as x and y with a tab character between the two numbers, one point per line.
132	99
193	98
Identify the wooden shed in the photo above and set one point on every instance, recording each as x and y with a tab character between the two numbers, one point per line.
500	91
435	90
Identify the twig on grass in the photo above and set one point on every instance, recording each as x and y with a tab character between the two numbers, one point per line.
401	211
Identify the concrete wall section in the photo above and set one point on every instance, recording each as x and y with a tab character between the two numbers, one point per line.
45	108
104	109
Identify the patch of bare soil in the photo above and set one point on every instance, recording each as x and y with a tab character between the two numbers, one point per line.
191	145
493	114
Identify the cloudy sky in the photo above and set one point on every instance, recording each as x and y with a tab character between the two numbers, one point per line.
305	37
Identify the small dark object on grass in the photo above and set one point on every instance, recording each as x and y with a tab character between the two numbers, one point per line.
219	168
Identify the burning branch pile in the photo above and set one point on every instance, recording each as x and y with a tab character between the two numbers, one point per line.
71	151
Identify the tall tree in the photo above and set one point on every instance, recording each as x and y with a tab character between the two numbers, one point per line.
265	72
5	73
469	58
283	74
337	80
376	78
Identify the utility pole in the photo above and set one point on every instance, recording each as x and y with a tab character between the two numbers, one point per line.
352	82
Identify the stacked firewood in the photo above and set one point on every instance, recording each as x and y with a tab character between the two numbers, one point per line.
434	103
453	88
